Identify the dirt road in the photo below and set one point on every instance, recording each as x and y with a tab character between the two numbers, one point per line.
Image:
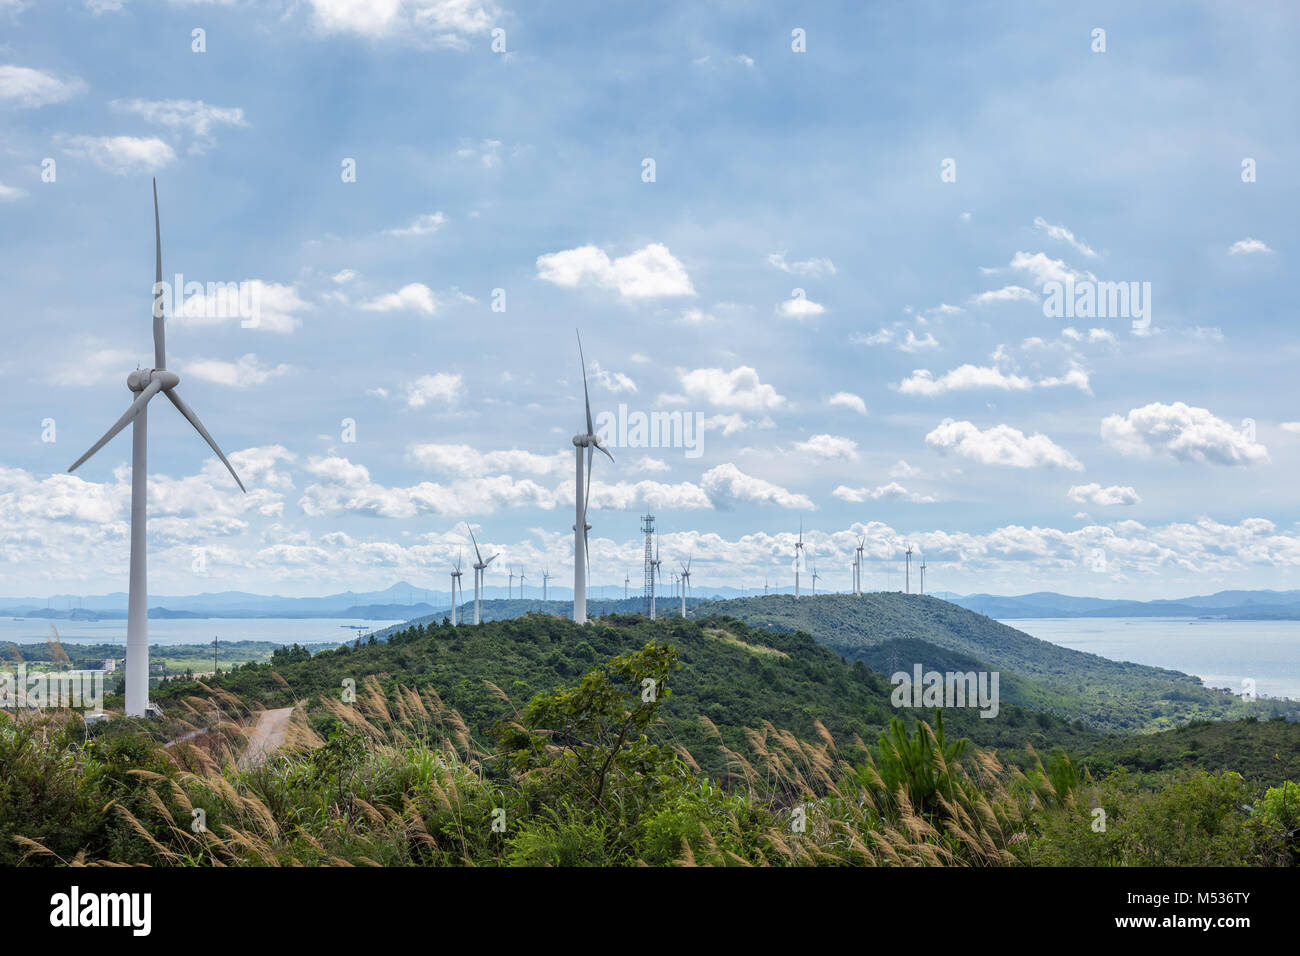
266	738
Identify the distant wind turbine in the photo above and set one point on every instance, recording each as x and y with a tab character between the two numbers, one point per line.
654	573
798	559
521	584
814	577
590	441
147	383
857	570
546	579
510	587
627	579
479	566
922	574
455	585
907	587
686	582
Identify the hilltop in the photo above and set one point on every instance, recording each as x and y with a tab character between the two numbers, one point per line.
890	630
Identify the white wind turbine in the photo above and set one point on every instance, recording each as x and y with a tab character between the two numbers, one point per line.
521	584
815	576
686	581
798	559
591	442
455	585
655	573
479	566
546	579
147	383
857	570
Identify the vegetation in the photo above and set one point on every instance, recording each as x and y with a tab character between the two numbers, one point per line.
889	630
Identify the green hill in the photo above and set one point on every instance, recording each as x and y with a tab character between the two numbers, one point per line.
733	676
891	631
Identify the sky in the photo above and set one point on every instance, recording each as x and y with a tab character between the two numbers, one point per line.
836	237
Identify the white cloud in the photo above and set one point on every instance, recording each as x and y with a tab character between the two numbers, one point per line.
800	307
913	344
1292	427
882	337
1065	235
892	490
24	87
415	297
1248	247
344	276
829	447
922	382
190	116
1000	445
423	225
848	400
1095	494
1045	269
740	388
244	373
651	464
807	267
1092	336
121	155
611	381
443	386
11	193
1009	293
446	23
96	366
1182	432
727	484
650	272
902	469
276	307
467	461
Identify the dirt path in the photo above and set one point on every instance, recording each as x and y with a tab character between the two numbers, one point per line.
266	738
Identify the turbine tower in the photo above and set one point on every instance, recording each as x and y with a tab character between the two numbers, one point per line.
814	577
798	559
510	587
907	587
147	383
686	582
922	574
626	581
546	578
479	566
455	585
591	442
655	572
861	544
521	584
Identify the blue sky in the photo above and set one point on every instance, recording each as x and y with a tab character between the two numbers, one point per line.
915	390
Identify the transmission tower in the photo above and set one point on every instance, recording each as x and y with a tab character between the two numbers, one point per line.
648	529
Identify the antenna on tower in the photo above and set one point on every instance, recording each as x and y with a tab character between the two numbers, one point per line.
648	529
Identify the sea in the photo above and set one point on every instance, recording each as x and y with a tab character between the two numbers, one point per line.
1221	653
194	630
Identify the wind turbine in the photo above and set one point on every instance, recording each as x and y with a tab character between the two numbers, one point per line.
858	567
922	574
907	587
455	584
521	584
589	441
147	383
798	559
510	588
686	582
764	587
814	577
546	579
626	581
654	572
479	565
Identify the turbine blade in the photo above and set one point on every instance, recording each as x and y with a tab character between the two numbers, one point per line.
198	425
159	335
491	559
477	553
605	450
585	396
150	390
587	494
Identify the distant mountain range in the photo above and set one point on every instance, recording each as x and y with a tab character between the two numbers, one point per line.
405	601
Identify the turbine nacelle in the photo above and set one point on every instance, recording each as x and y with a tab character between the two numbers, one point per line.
139	380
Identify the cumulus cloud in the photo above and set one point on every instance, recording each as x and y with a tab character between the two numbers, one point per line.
1248	247
121	155
464	460
892	490
244	373
848	400
1183	432
740	389
414	297
24	87
1008	293
1095	494
276	306
441	387
423	225
650	272
828	448
727	484
445	23
1064	235
800	307
922	382
1000	445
